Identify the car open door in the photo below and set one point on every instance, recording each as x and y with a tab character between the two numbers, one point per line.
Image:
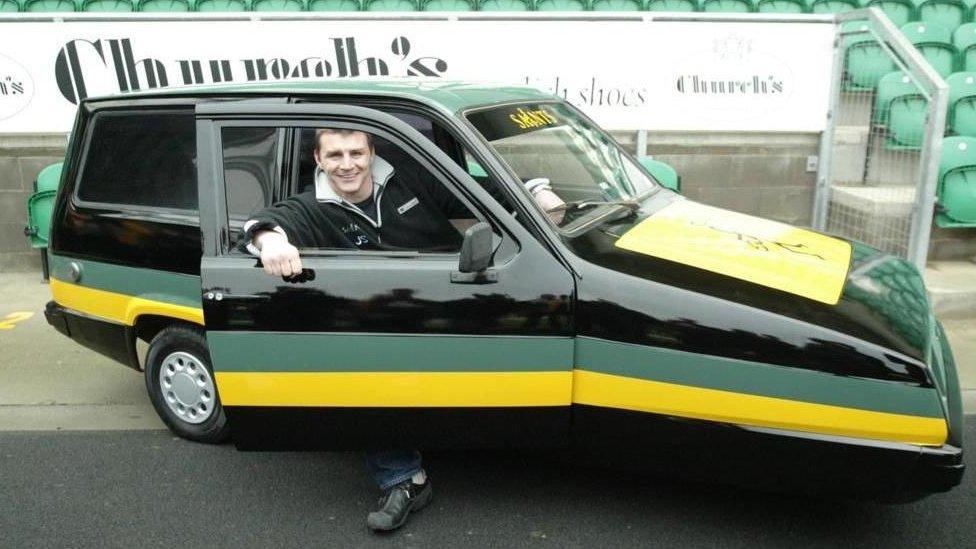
378	349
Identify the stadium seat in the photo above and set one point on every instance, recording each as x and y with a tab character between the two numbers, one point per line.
957	183
964	39
934	42
49	5
892	85
277	5
948	13
506	5
616	5
220	5
9	6
390	5
662	172
833	6
334	5
782	6
163	5
107	6
728	6
865	62
671	5
961	119
899	11
906	122
449	5
560	5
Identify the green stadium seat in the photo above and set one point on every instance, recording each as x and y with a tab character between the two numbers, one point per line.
616	5
865	62
49	5
957	183
782	6
390	5
41	204
899	11
220	5
934	42
892	85
662	172
728	6
671	5
505	5
560	5
163	5
334	5
107	6
964	39
948	13
277	5
449	5
906	122
961	119
9	6
833	6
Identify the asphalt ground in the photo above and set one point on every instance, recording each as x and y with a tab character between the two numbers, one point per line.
149	489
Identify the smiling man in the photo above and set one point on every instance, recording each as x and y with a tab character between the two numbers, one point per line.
360	201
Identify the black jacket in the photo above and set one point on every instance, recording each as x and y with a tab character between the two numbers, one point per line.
413	213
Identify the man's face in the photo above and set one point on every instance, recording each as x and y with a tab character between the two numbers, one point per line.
348	161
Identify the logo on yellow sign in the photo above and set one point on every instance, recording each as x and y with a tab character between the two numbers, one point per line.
749	248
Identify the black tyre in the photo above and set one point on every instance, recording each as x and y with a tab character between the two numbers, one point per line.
182	386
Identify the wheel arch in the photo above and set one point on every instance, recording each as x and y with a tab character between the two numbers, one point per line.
148	326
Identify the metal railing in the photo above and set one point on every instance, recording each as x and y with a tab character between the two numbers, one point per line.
880	151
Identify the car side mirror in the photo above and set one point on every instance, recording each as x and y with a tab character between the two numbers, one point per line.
475	256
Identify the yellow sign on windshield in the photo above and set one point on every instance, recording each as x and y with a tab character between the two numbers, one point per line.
749	248
538	118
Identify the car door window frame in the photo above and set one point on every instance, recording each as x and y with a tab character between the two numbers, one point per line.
290	124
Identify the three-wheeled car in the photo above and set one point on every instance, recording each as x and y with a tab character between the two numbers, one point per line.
626	322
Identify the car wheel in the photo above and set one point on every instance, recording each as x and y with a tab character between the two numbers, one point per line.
182	386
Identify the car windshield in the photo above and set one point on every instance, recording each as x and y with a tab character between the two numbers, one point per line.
550	143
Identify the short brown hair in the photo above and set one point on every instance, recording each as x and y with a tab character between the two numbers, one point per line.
341	131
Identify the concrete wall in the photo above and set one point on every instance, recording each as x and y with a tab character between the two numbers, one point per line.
21	158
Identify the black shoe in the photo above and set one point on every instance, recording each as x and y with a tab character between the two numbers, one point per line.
397	503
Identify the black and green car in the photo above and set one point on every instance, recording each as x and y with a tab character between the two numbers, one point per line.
631	325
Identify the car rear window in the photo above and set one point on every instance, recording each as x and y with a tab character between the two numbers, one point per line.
142	158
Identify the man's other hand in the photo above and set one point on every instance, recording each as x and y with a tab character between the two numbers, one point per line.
278	256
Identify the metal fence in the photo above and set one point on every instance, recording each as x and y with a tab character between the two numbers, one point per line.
880	152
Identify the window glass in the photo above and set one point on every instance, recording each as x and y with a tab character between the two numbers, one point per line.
142	159
250	171
359	191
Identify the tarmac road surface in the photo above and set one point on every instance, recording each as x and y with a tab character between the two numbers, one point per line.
150	489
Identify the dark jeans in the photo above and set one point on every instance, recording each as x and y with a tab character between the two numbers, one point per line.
391	467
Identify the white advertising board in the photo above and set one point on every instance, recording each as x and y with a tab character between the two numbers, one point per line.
627	75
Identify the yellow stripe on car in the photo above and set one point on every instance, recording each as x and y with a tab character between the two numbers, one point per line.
749	248
395	389
120	308
610	391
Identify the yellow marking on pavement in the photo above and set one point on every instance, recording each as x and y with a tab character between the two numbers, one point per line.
12	319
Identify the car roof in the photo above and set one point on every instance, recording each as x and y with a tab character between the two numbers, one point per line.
450	96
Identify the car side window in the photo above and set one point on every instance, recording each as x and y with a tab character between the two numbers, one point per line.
144	158
251	171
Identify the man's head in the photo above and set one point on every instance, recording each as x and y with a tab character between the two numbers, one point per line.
346	156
